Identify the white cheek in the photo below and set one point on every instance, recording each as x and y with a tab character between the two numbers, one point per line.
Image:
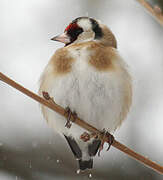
85	36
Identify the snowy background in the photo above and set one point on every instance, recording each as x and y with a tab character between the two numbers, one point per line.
29	149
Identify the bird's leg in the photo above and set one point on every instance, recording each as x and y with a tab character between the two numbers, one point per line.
110	140
103	136
69	113
85	137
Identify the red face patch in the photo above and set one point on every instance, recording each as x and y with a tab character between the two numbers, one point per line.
71	27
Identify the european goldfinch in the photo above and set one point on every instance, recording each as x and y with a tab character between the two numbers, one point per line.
88	76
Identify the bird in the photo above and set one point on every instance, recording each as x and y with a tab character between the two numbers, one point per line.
89	78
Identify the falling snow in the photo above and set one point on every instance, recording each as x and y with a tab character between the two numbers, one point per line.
78	171
90	175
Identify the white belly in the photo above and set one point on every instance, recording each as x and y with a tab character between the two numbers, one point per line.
100	98
97	97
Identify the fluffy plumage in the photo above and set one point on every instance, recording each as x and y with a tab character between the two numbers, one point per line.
89	77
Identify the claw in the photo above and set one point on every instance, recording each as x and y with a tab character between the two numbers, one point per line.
47	97
69	113
110	140
85	137
103	135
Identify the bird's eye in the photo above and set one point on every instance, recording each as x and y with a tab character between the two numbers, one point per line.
79	30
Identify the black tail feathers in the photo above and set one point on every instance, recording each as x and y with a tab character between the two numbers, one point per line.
74	147
92	150
83	165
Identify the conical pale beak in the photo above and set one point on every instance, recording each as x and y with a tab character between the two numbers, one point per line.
64	38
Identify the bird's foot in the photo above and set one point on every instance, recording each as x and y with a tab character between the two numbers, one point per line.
47	97
110	138
85	137
69	113
102	136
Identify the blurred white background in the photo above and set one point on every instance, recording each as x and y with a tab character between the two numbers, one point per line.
29	149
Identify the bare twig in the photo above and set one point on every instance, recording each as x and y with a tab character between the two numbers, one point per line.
82	124
155	11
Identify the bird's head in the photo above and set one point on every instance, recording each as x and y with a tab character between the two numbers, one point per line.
84	29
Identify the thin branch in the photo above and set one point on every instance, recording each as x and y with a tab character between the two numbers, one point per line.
156	167
156	11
